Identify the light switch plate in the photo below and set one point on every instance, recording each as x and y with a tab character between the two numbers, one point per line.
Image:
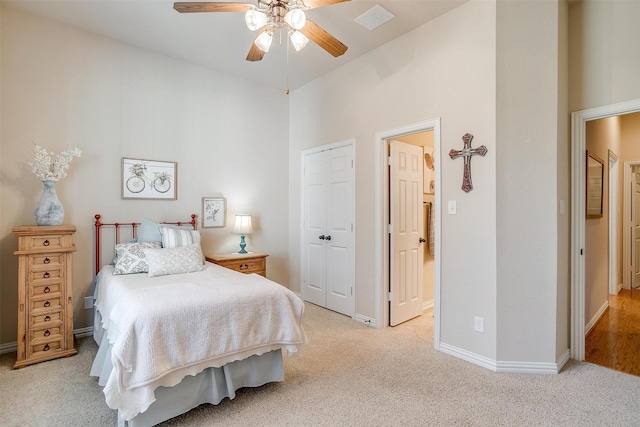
452	207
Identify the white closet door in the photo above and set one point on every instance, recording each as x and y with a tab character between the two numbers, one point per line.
314	262
328	259
339	230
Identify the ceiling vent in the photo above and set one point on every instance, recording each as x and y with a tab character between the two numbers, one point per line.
374	17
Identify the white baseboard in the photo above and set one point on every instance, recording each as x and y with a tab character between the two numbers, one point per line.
595	318
11	347
428	304
504	366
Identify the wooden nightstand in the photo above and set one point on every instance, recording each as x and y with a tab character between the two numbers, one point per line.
252	262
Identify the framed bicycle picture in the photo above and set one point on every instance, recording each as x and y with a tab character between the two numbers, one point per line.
213	212
149	179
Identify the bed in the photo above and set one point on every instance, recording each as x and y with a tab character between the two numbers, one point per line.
184	332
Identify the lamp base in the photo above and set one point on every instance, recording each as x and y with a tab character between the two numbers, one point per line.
242	245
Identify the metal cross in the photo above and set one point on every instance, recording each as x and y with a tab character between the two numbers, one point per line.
467	152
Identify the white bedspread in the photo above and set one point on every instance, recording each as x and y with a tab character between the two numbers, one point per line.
167	327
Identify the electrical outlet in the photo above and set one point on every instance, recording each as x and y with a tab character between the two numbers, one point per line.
478	324
88	302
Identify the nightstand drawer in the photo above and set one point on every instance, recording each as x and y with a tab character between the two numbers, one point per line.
244	263
250	266
46	347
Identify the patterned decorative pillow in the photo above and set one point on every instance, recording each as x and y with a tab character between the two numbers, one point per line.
173	237
183	259
130	257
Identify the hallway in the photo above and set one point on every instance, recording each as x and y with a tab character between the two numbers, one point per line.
614	342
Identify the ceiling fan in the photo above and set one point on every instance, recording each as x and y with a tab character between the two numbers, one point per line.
268	16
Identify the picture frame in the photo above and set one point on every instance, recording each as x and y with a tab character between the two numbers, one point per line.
214	212
149	179
594	185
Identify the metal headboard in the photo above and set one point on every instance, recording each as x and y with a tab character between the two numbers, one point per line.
132	226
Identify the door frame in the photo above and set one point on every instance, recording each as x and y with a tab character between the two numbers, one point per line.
579	121
382	220
614	170
627	283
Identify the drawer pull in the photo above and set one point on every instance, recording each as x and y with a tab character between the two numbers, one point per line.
47	290
47	333
244	266
46	243
46	275
46	347
47	318
47	261
46	304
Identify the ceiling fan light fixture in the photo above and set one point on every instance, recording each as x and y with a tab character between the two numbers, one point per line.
298	40
255	19
263	41
295	18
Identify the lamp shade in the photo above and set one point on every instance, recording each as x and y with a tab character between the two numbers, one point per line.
242	224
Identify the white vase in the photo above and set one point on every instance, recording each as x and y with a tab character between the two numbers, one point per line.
49	210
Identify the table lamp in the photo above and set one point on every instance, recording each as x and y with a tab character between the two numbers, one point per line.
242	226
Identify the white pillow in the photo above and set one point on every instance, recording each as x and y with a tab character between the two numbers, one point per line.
175	237
130	257
183	259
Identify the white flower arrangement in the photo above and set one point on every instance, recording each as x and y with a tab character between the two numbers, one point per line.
48	168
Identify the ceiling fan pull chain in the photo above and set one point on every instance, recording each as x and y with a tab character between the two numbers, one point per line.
287	70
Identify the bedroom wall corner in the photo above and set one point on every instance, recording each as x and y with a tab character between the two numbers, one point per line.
63	87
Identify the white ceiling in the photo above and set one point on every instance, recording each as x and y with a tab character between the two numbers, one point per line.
221	40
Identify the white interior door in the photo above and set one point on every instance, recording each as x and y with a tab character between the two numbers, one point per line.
407	232
339	227
314	211
328	223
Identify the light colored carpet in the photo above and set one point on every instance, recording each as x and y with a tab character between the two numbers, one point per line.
348	375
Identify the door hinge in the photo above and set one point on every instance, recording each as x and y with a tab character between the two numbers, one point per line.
352	227
390	296
390	228
352	290
351	163
389	160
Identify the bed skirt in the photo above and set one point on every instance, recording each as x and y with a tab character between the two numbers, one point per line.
210	386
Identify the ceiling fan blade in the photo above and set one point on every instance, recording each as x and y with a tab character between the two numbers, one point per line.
207	6
255	53
323	39
312	4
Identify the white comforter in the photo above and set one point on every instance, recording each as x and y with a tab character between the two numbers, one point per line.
164	328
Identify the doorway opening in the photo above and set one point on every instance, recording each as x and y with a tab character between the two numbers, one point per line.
383	220
579	315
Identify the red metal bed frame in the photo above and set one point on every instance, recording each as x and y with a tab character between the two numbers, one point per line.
134	226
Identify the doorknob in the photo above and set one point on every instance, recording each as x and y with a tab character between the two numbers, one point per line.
321	237
328	237
422	240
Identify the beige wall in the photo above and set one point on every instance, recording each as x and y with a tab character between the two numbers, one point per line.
604	60
529	115
601	136
444	69
62	87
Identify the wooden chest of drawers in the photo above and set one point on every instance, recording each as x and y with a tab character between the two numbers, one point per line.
45	293
253	262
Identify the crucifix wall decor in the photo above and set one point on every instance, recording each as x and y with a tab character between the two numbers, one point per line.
467	152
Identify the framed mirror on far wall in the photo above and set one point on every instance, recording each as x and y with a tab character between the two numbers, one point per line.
595	185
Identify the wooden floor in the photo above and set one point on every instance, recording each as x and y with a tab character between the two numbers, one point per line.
614	341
